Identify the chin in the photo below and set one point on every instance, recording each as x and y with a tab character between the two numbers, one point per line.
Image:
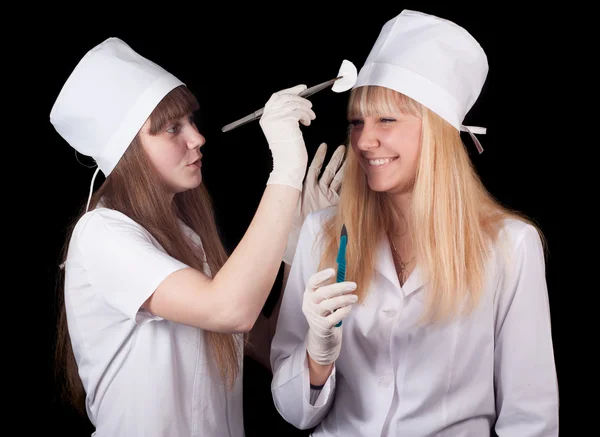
380	186
383	186
194	182
377	188
194	185
189	185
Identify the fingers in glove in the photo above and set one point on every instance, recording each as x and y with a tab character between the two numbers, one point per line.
320	278
333	290
296	111
328	306
293	90
284	104
282	95
318	159
336	184
304	116
287	104
312	175
332	168
288	99
338	316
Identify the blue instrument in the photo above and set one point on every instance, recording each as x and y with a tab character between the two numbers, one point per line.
341	259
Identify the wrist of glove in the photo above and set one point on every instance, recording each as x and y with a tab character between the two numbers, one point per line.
324	306
324	349
280	124
289	163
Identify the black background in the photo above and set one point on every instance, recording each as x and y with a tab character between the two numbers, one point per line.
233	58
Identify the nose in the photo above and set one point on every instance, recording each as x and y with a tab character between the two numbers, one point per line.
195	140
366	138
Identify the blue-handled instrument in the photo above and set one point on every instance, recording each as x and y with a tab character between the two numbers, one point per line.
341	259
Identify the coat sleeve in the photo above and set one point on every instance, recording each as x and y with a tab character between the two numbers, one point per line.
290	386
123	262
525	374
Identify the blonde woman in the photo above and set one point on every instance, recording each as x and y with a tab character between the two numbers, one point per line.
444	308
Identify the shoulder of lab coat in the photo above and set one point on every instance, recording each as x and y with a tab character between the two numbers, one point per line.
290	385
525	373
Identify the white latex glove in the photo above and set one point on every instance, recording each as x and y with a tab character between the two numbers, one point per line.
280	126
317	193
319	305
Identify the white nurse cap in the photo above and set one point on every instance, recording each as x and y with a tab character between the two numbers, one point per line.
431	60
106	100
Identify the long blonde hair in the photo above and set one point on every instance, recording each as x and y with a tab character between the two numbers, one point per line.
452	218
134	189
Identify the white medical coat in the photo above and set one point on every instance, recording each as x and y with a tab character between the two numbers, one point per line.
492	369
143	375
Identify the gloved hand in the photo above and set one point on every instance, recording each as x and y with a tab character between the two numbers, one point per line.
279	123
317	193
319	305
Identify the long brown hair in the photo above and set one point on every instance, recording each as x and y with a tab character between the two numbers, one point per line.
452	219
134	189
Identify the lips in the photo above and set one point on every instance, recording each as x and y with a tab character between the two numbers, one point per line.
379	157
378	162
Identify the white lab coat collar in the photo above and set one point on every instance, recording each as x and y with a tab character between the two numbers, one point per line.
385	266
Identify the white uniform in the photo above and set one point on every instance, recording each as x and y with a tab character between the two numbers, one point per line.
393	378
144	376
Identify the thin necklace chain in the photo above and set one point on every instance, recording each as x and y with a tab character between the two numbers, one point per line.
401	264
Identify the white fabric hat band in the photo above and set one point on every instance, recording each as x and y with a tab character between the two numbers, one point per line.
420	89
414	86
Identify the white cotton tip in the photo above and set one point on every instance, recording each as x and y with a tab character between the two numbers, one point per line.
349	74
